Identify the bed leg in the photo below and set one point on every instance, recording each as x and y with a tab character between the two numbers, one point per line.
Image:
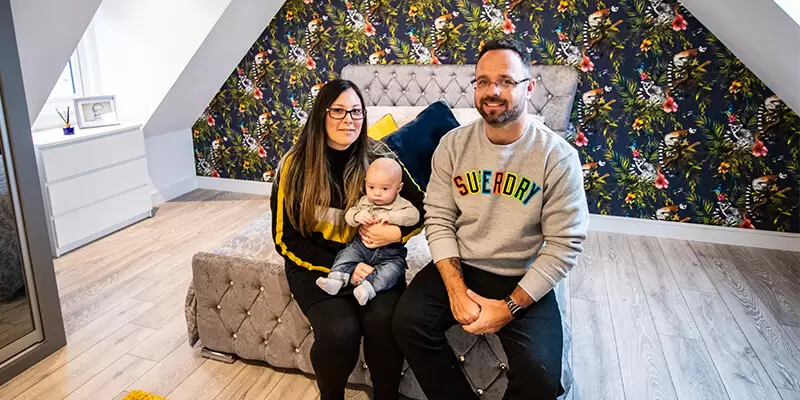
217	356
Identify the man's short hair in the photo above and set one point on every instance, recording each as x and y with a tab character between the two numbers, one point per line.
507	44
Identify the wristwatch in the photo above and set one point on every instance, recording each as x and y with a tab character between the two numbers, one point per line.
513	306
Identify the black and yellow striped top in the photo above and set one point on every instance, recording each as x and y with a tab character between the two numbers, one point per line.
330	234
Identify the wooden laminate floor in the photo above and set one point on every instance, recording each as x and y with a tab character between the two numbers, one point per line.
651	318
15	318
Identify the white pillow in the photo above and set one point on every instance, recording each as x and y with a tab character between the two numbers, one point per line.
401	115
404	115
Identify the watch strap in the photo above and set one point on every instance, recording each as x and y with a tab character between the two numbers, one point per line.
513	306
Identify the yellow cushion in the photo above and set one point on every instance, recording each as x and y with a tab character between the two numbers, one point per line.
382	127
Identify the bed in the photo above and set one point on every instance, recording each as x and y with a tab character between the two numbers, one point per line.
239	301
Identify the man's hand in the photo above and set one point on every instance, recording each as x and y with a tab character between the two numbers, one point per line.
465	310
362	271
494	315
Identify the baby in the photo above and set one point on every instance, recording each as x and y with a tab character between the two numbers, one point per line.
382	204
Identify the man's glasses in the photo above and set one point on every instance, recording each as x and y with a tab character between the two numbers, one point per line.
341	113
505	84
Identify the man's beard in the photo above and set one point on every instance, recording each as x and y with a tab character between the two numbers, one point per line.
505	117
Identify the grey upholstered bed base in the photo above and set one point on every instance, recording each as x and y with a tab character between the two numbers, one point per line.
240	304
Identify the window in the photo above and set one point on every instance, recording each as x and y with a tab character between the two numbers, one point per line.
69	83
68	86
76	80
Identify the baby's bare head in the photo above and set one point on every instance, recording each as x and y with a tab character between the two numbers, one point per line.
384	181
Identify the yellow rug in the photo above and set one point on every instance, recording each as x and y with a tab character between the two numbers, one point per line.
142	395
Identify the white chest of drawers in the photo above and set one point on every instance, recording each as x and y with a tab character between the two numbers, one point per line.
94	182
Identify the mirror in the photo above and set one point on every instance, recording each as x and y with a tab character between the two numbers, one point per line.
16	319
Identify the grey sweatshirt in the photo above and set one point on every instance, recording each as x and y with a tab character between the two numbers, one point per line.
400	212
495	206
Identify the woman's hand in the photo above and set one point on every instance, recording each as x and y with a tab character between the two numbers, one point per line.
379	235
361	272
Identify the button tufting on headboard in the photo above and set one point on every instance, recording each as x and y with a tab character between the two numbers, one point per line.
404	85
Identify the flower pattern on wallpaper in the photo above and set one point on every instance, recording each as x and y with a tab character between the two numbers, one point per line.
669	124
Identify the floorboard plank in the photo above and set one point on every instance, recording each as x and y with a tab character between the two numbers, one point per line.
644	370
794	334
170	372
777	352
74	320
586	279
121	395
163	312
75	373
163	342
686	268
789	394
113	379
254	382
766	277
176	282
739	368
77	343
598	375
292	386
692	370
94	287
670	314
207	382
355	394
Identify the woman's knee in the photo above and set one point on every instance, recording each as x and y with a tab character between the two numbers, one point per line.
406	319
335	328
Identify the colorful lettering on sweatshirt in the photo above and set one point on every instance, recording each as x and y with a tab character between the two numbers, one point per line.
496	183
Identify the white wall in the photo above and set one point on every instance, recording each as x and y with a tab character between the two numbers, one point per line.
170	160
762	35
792	7
142	47
164	60
227	43
47	33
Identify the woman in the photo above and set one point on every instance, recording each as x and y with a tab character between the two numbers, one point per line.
320	177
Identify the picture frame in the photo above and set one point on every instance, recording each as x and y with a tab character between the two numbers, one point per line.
95	111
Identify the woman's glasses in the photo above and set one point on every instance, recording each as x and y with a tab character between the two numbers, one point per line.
341	113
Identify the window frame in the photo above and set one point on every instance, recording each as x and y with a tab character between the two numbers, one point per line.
82	64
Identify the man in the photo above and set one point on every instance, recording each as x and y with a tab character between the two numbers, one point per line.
500	189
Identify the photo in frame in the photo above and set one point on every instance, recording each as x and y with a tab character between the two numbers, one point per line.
96	111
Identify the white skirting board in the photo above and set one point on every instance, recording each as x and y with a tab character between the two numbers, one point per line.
602	223
234	185
172	191
696	232
58	252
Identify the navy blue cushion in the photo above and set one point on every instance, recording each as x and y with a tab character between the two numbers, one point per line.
415	142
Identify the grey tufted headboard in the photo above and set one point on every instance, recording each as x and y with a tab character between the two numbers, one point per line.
420	85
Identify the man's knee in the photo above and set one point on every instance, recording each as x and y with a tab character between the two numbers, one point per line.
535	373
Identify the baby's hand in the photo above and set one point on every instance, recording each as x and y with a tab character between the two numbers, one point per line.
385	218
364	218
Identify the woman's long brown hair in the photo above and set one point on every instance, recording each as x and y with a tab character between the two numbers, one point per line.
307	181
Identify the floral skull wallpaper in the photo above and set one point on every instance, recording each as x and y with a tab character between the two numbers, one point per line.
670	125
